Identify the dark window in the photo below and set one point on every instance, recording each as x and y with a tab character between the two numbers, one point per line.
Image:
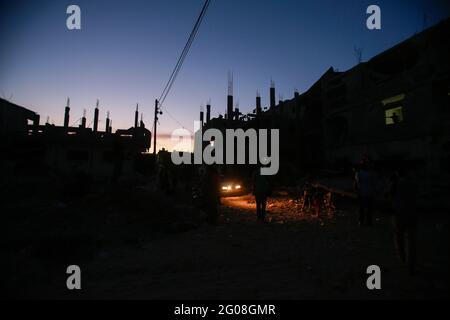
441	94
107	156
337	130
77	155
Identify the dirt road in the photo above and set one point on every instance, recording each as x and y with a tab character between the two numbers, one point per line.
290	257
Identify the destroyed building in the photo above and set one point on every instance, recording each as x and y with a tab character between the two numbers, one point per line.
394	108
68	149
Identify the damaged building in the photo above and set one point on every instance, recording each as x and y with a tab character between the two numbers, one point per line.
393	108
66	149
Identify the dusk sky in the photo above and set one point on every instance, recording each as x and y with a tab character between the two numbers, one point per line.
126	50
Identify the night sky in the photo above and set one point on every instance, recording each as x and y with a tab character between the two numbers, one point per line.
126	50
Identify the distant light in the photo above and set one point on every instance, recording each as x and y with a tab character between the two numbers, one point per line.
237	186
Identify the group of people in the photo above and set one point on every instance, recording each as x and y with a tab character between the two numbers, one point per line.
399	195
398	191
314	198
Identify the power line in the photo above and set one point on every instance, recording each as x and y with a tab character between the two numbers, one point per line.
180	61
183	53
178	122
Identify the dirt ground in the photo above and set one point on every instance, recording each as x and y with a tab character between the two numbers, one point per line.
291	256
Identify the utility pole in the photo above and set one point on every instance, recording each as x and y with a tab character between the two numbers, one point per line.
157	111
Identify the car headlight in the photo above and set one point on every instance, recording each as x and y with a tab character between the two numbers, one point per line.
237	186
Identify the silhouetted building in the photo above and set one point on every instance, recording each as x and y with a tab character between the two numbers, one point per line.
16	120
65	149
394	108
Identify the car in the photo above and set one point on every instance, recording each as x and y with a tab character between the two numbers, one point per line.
231	188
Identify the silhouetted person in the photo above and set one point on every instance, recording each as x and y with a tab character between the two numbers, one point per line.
366	188
402	194
261	190
211	193
354	178
317	199
307	193
395	118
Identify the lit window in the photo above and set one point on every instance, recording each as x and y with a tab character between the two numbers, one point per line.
394	115
393	99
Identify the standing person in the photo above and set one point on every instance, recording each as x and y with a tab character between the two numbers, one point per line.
261	191
402	194
365	185
316	200
307	193
211	194
354	178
